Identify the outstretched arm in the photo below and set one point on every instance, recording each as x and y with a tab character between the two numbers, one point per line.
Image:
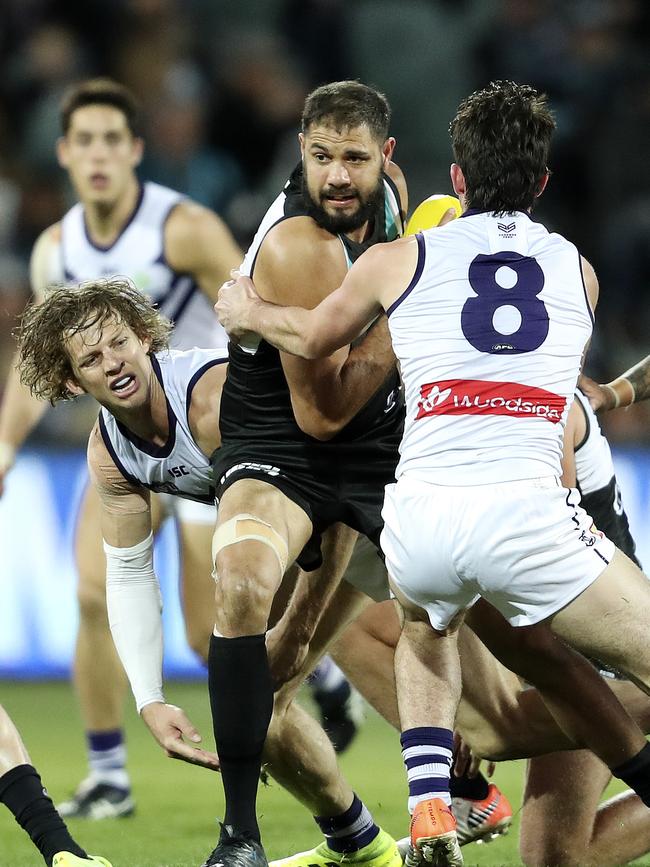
628	388
373	282
135	605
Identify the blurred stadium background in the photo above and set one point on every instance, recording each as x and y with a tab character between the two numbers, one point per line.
222	85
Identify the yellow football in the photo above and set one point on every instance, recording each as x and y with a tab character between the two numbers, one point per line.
429	213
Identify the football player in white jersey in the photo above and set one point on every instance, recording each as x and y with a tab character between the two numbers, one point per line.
178	252
488	317
22	792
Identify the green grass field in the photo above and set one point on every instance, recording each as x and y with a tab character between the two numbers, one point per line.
175	824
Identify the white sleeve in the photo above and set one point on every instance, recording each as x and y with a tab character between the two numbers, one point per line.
134	615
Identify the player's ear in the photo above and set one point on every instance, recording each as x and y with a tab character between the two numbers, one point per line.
542	184
388	150
301	140
457	179
62	152
74	388
145	343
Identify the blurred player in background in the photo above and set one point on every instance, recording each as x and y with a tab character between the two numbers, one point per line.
178	254
22	792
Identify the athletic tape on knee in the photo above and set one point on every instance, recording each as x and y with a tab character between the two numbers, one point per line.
228	534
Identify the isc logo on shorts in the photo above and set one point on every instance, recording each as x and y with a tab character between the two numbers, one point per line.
482	397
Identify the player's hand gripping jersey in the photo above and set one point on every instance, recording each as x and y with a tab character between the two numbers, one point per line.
489	335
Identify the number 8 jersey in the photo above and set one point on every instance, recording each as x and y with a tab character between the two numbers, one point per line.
489	335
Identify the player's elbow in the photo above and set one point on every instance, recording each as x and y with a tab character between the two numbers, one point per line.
321	429
313	347
318	425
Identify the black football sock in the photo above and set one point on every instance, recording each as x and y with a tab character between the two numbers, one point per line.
21	790
241	698
475	788
635	773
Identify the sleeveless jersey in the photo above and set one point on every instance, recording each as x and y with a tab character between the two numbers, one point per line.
179	467
596	481
489	335
256	402
139	254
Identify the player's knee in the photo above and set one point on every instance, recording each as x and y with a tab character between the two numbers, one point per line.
243	594
91	598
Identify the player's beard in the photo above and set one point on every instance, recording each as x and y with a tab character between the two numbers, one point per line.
335	223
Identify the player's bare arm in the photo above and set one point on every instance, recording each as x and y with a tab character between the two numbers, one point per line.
199	243
203	413
373	283
628	388
20	411
301	263
134	604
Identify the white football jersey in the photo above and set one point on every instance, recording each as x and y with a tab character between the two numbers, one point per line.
179	467
489	335
138	253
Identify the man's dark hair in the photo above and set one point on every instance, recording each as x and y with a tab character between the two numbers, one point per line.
100	91
501	137
346	105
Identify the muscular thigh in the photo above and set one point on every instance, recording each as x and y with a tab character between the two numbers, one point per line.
264	504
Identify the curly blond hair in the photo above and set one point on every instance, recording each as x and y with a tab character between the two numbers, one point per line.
45	328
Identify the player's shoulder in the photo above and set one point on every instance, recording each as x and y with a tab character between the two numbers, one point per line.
50	236
298	239
44	264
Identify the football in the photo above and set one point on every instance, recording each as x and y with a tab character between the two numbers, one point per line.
429	213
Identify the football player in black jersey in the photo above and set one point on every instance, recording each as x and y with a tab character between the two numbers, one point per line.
304	445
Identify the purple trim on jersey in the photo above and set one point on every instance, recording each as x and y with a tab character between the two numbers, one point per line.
176	314
195	378
419	268
111	450
144	445
162	258
584	289
159	302
131	218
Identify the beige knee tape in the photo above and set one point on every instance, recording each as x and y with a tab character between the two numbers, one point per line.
230	533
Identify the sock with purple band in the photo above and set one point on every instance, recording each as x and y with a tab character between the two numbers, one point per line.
349	831
427	753
107	758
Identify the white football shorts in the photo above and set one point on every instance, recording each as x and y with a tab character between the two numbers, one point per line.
526	547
